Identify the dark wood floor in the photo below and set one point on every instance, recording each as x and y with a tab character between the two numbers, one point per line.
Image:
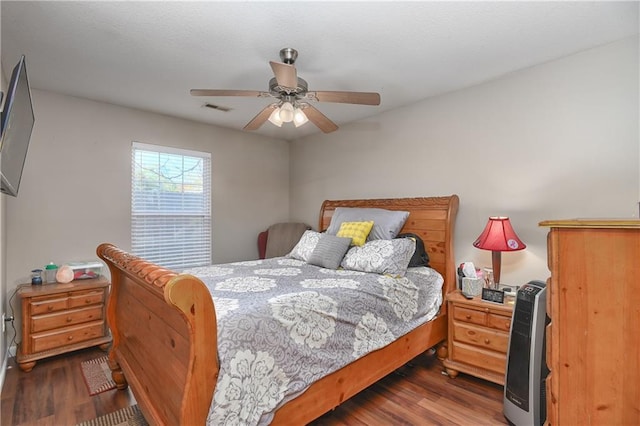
54	393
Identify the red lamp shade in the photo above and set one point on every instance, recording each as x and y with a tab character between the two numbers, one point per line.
498	236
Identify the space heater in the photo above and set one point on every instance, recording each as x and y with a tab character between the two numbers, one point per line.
525	390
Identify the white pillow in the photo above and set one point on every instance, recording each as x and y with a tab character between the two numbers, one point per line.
306	245
381	257
386	223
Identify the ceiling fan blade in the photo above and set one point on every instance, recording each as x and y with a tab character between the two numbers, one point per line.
319	119
259	119
286	75
360	98
213	92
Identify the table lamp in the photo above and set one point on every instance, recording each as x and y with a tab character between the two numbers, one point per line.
498	236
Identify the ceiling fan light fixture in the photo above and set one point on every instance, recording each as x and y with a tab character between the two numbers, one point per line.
274	118
299	117
286	112
290	97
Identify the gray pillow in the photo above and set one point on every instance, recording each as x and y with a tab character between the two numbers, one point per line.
329	251
386	223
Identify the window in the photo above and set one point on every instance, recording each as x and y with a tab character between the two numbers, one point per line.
171	206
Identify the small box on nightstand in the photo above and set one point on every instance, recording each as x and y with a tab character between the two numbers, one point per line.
86	270
472	286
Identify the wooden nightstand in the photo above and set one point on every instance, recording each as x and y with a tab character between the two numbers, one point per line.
478	337
59	318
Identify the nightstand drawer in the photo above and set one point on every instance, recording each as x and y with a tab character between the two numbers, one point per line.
481	337
86	298
499	322
469	315
485	359
44	305
63	319
62	337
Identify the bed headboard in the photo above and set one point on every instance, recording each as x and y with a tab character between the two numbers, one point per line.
432	218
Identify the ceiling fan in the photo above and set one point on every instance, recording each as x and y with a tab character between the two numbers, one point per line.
293	97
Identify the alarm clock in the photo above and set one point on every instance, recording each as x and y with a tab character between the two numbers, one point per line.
492	295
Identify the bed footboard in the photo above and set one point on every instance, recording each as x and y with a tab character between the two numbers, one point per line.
164	338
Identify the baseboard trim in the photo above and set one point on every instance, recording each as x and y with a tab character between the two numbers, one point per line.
11	352
3	372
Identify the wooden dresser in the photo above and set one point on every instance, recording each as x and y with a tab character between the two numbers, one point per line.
478	337
593	340
59	318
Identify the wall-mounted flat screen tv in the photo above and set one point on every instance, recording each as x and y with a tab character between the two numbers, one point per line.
17	121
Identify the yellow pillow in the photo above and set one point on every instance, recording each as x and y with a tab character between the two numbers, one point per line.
357	231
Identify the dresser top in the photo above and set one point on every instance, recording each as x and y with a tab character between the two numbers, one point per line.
478	303
26	290
592	223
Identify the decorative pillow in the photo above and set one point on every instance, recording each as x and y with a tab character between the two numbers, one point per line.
329	251
420	257
381	257
386	223
305	246
357	231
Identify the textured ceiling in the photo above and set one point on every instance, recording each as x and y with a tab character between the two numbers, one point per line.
148	55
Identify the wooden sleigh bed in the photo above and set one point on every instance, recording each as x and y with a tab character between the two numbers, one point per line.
165	337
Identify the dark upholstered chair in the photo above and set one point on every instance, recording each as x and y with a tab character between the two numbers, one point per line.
280	239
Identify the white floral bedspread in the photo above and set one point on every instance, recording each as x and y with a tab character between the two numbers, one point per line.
283	324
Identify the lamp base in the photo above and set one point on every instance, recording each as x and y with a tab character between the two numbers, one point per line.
496	260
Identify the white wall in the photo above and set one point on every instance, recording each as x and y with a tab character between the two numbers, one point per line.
75	190
3	260
555	141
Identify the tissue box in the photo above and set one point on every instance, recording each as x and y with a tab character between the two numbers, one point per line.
472	286
86	270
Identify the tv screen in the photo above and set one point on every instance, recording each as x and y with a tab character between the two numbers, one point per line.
17	123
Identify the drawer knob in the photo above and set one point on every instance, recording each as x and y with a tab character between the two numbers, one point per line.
49	308
69	319
507	324
70	338
87	301
467	316
487	341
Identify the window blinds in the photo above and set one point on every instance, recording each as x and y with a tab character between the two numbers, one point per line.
171	206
